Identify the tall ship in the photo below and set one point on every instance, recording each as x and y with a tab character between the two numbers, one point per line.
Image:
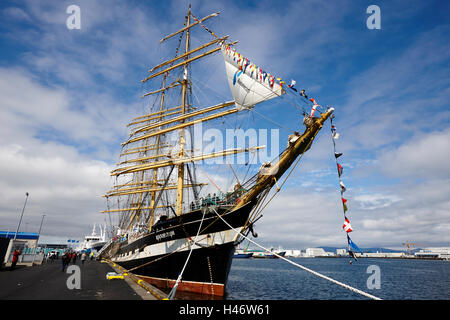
169	226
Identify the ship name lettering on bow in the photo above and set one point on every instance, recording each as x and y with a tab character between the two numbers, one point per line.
165	235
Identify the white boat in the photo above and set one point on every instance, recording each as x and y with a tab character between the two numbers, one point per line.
242	253
264	255
94	242
269	255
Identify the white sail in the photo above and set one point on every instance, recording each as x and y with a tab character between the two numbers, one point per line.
249	83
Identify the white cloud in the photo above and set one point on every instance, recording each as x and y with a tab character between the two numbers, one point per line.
16	14
405	92
66	188
31	111
425	155
45	150
404	76
302	218
374	201
115	44
405	211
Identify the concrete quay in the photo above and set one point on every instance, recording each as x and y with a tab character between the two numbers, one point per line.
49	282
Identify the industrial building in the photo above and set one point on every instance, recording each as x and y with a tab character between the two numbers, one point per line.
434	253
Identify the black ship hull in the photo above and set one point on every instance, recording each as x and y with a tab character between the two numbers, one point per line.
159	256
206	272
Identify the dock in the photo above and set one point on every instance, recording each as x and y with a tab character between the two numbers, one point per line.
49	282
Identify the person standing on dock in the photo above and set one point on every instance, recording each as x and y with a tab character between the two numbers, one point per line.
83	257
65	260
15	258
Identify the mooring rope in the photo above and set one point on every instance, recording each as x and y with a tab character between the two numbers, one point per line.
346	286
174	289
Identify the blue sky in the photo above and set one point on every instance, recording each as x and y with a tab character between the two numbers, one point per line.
67	96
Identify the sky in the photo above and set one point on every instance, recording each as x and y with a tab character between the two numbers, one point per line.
67	95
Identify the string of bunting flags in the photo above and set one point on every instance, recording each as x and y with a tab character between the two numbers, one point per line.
265	87
255	72
303	94
244	65
352	247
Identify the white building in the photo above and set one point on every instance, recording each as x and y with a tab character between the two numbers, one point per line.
314	252
434	253
381	254
294	253
341	252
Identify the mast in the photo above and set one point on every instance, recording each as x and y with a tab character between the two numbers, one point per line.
141	190
182	142
155	171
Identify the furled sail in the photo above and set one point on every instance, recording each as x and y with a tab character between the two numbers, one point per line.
249	83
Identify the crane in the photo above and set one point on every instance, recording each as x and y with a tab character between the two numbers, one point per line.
409	245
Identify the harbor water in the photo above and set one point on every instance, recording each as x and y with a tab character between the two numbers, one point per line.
396	279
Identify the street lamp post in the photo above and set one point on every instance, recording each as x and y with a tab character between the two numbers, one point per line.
40	228
39	233
27	194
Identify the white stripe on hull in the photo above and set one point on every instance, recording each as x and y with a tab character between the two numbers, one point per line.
179	245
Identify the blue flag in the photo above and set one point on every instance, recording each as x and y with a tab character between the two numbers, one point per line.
352	246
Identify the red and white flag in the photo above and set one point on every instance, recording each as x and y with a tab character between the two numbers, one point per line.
315	105
347	226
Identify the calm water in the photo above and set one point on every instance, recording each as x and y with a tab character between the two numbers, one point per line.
271	279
